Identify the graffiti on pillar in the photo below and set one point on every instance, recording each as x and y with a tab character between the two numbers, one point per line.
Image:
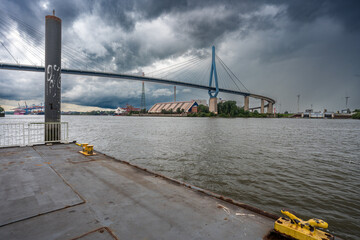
53	77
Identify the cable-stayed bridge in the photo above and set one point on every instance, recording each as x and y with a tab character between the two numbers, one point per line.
24	45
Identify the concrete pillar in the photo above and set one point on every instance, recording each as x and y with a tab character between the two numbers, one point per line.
52	77
262	106
213	105
246	103
270	108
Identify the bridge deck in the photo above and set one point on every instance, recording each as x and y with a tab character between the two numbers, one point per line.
54	192
18	67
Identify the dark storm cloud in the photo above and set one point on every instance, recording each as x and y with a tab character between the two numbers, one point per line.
305	36
203	30
347	12
209	28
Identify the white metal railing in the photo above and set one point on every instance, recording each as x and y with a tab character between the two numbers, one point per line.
28	134
12	134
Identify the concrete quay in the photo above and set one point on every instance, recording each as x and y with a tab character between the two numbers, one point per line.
54	192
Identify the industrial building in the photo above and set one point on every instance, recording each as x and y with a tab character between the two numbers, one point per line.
201	102
186	106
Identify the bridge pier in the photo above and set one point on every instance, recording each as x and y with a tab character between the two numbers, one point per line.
213	105
246	103
270	108
262	106
52	78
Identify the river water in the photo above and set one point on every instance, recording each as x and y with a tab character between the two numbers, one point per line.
309	166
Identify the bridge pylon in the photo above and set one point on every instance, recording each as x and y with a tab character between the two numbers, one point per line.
213	75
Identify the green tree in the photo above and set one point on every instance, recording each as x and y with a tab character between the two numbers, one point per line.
356	115
230	109
203	108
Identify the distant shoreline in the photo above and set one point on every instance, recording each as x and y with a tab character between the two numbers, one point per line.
203	115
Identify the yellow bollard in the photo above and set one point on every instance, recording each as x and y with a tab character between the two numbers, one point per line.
88	150
302	230
84	146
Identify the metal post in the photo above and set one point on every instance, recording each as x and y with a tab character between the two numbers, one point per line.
52	76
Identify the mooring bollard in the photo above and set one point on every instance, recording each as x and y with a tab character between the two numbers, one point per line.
90	149
87	150
84	146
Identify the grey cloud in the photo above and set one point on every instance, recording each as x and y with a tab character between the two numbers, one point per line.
281	47
15	86
347	12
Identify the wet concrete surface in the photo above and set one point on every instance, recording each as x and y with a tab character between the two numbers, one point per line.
54	192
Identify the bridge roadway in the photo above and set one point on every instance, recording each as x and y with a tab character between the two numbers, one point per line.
30	68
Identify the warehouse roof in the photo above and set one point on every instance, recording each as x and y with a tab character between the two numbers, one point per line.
186	105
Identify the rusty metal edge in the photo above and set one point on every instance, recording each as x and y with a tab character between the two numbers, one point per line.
53	17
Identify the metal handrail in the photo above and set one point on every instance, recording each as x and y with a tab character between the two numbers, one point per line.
28	134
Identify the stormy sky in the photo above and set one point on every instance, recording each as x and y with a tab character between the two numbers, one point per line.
276	48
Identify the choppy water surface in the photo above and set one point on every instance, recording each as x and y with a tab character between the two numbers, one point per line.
309	166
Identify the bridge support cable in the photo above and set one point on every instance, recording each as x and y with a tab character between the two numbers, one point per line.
11	27
204	74
188	72
232	73
9	53
228	70
20	51
18	26
222	64
34	53
70	54
184	71
223	78
194	74
169	67
178	67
